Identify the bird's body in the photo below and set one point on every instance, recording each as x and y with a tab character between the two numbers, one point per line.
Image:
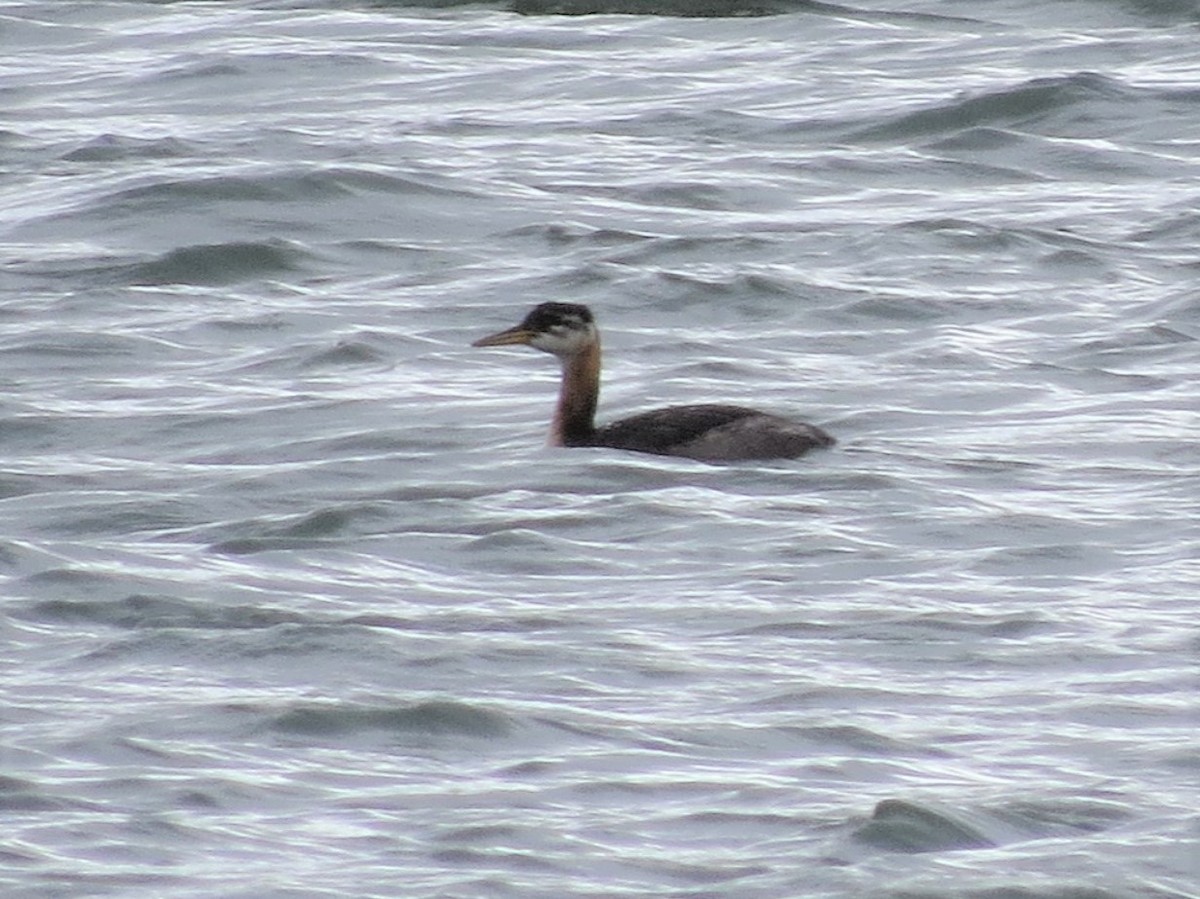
706	432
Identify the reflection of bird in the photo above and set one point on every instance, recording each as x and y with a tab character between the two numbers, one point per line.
708	432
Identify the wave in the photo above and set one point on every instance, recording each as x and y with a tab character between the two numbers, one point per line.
322	527
679	8
901	825
1150	10
689	9
279	186
223	263
432	717
1074	98
115	147
149	612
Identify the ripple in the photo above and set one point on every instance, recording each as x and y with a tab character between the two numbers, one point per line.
217	264
439	718
121	147
294	582
1020	105
142	611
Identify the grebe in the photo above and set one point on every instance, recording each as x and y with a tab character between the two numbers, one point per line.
710	433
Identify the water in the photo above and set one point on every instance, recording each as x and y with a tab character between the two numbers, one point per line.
298	604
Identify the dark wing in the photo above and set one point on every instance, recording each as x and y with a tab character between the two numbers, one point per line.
712	432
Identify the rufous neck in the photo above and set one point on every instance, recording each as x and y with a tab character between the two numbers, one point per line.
575	418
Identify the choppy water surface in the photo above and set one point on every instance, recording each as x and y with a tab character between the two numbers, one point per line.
296	602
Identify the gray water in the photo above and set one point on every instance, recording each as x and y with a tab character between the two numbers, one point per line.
296	601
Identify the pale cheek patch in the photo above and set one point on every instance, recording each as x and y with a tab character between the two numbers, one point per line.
564	339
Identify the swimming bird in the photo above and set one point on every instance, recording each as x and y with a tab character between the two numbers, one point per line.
711	433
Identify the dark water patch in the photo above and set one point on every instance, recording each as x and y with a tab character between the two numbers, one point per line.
462	623
250	66
119	147
265	641
113	516
346	352
199	69
785	628
899	825
713	125
68	347
1178	226
421	263
17	858
257	437
434	718
38	268
69	580
928	626
709	9
1066	263
329	527
706	196
1053	817
331	522
681	290
25	434
266	322
664	251
904	169
396	444
322	527
1133	338
11	554
558	235
225	263
221	189
483	833
277	361
909	826
679	192
1016	887
965	235
531	550
835	697
249	546
322	195
1062	157
1068	104
706	9
143	611
1050	563
979	139
1168	10
305	186
859	741
910	627
948	243
899	308
490	858
34	799
10	139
